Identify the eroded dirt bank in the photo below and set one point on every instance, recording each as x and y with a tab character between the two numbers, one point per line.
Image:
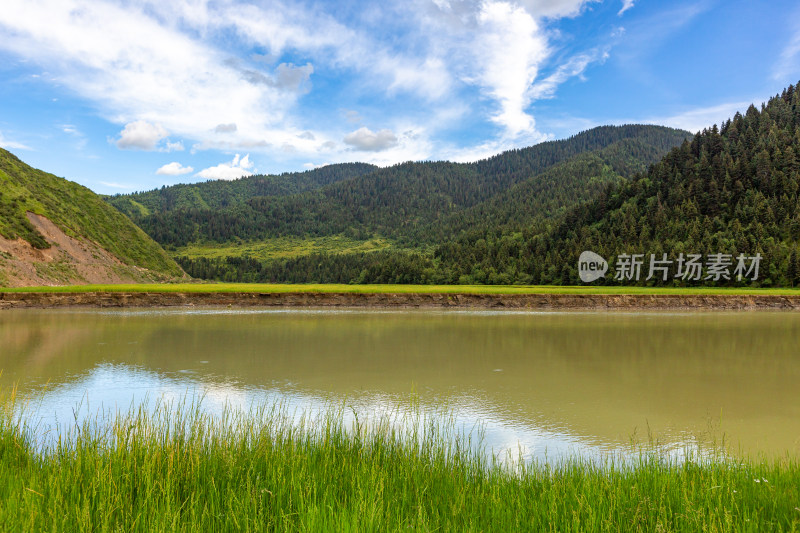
552	302
69	260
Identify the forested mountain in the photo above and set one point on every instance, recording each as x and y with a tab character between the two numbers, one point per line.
549	194
417	206
731	191
54	231
420	203
219	194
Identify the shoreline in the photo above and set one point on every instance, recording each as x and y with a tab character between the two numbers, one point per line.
390	300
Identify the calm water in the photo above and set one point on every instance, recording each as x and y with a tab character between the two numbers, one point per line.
545	383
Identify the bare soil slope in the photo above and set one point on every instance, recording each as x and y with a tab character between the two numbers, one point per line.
68	260
55	232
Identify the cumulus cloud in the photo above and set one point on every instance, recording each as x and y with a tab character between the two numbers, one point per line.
226	128
237	168
502	48
174	147
141	135
371	141
554	8
283	26
286	77
512	48
173	169
289	77
159	63
134	67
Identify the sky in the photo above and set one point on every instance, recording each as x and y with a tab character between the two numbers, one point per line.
131	95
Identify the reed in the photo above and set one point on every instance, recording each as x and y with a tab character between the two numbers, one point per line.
178	468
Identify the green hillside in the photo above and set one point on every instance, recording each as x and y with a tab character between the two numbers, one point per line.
220	194
731	190
411	209
549	194
77	211
407	202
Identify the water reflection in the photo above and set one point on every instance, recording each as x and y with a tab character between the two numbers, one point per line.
549	383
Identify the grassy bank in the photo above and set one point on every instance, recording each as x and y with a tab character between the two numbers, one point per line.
396	289
186	471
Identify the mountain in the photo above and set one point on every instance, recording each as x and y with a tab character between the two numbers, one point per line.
726	199
411	203
54	231
730	190
220	194
352	228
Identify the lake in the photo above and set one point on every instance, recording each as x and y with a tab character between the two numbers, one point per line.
546	384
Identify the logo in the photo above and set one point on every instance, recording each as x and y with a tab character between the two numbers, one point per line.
717	267
591	267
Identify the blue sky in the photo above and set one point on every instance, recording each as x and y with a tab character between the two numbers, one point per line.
134	94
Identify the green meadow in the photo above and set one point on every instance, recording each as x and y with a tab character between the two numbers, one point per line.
181	469
284	247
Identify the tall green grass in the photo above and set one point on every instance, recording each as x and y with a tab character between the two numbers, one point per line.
182	469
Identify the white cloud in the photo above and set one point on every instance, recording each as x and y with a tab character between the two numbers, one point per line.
237	168
292	78
353	116
474	153
692	120
164	65
11	145
141	135
173	169
137	69
371	141
697	119
626	5
554	8
78	135
286	77
511	49
280	27
115	185
788	63
174	147
225	128
575	66
501	48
